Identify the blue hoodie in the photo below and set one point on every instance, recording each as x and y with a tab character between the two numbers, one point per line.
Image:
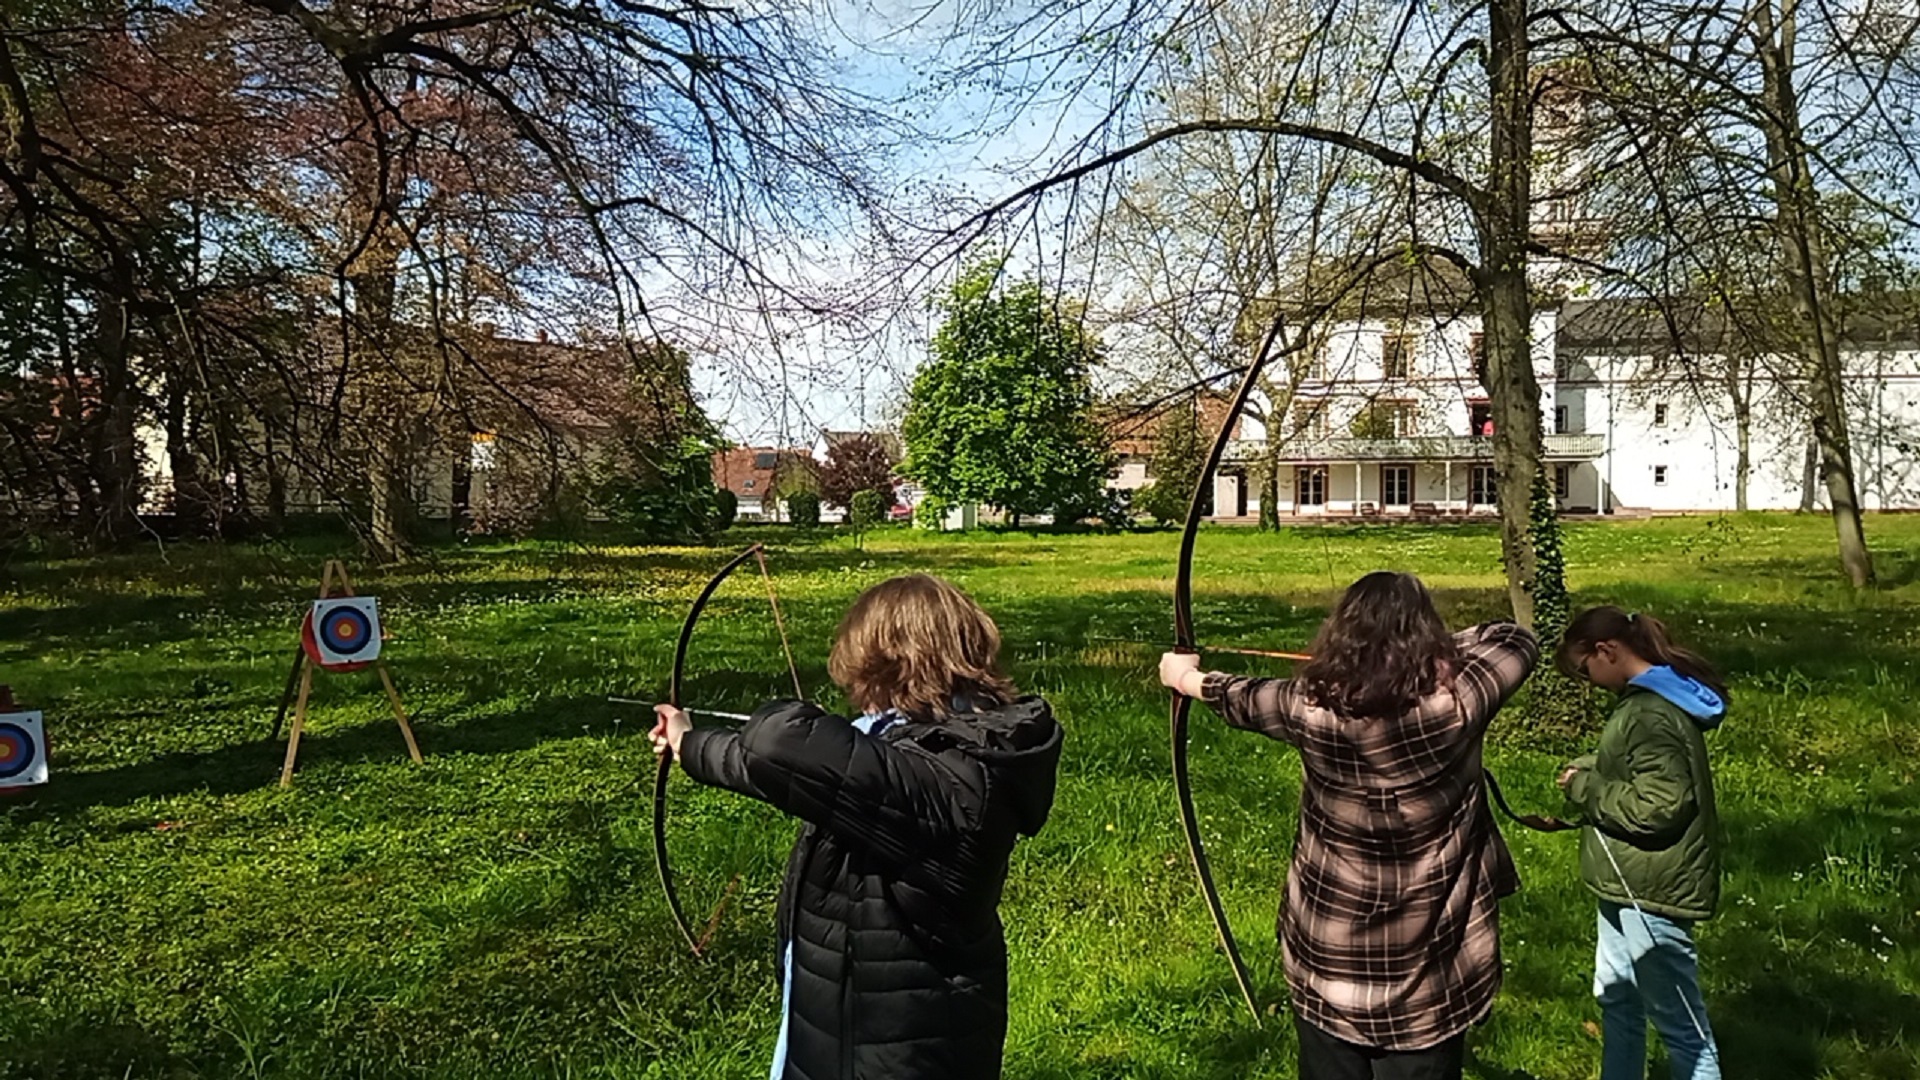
1689	695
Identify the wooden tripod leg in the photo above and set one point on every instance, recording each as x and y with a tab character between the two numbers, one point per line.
399	711
286	696
299	724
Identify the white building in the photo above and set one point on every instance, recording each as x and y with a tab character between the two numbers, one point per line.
1389	419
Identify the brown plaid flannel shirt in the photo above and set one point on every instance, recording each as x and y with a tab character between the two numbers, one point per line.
1391	923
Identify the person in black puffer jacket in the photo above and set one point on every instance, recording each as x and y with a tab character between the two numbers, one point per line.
892	956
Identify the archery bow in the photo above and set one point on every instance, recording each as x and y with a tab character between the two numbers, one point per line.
665	767
1184	642
1536	822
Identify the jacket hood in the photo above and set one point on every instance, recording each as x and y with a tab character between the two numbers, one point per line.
1020	742
1689	695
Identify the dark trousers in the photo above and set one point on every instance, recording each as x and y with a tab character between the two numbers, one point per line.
1323	1057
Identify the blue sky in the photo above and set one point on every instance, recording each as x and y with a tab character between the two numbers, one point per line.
783	382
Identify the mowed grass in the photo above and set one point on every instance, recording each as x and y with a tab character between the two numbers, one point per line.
171	912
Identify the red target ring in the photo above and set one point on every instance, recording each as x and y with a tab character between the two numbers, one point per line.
336	632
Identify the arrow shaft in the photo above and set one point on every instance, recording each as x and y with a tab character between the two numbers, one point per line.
715	713
1270	653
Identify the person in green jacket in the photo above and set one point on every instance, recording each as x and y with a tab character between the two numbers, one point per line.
1650	842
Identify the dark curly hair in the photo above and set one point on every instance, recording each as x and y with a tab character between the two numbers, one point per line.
1381	651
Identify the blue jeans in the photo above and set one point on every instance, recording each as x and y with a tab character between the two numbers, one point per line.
1646	968
786	1011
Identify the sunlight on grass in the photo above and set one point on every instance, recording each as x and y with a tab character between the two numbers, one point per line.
495	913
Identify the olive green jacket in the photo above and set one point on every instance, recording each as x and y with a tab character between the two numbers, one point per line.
1652	833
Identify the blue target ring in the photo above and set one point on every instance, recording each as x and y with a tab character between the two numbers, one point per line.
346	630
17	751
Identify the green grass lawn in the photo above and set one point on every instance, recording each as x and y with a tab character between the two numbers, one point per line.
171	912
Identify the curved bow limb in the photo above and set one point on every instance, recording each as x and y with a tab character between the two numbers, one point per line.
1536	822
664	770
1184	642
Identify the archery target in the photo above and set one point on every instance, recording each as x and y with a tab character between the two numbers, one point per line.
343	632
23	750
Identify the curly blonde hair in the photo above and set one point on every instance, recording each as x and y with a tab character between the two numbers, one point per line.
913	644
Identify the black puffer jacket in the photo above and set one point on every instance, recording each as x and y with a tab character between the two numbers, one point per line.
892	893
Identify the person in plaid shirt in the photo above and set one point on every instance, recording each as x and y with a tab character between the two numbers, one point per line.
1391	922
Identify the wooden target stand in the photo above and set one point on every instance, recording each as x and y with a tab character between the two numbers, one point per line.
332	576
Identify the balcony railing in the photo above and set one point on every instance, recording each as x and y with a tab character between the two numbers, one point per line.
1411	448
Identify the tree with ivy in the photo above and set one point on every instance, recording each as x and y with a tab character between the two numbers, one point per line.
1002	414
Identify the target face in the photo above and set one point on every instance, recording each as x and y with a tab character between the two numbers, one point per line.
346	631
23	752
342	632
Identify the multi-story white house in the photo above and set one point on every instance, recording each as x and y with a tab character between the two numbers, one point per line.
1388	418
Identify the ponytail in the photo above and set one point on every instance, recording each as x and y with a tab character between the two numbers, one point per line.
1646	636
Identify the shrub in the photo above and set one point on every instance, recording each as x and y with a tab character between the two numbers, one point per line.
803	509
725	509
868	509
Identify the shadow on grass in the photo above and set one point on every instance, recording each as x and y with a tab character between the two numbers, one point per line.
237	768
1808	978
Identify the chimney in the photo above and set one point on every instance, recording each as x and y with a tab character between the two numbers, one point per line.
540	335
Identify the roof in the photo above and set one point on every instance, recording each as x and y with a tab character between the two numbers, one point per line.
1647	323
749	471
1131	427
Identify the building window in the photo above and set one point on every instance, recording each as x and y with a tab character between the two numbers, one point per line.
1396	485
1560	420
1659	476
1312	486
1396	355
1563	481
1660	414
766	461
1312	363
1386	420
1482	491
1310	419
482	458
746	485
1479	419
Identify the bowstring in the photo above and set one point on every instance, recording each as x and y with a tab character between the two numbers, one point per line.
780	621
1706	1041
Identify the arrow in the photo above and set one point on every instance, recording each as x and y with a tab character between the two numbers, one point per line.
1269	653
715	713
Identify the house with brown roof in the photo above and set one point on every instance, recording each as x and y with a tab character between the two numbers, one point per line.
752	473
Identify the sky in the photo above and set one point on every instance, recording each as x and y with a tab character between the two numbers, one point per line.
783	382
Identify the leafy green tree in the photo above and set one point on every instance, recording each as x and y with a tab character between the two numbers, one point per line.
1177	455
1003	412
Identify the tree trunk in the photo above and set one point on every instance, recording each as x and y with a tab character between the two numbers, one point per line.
1506	303
1743	461
189	488
116	457
1270	486
1810	479
386	538
1809	282
1740	391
